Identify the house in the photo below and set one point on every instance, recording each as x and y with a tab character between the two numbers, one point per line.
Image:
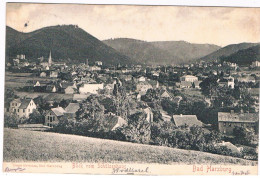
185	84
113	122
246	79
196	84
43	74
227	82
36	84
98	63
80	97
71	109
51	88
22	107
142	87
227	121
94	68
255	64
189	78
149	114
52	117
70	90
186	120
165	94
140	79
54	74
177	100
90	88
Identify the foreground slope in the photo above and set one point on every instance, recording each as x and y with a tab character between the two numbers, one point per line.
20	145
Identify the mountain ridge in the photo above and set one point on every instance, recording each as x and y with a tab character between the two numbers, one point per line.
65	41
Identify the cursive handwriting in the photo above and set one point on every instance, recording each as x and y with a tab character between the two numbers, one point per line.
130	170
7	169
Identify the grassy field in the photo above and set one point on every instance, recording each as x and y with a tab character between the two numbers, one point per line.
22	145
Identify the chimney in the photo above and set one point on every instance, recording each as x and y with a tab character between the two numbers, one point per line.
181	115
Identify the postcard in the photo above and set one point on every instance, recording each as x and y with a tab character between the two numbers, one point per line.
131	89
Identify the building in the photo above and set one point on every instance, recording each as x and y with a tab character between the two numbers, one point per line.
54	74
227	82
255	64
50	60
70	110
94	68
227	121
90	88
113	122
43	74
53	116
149	114
189	78
186	120
22	107
246	79
98	63
142	87
70	90
51	88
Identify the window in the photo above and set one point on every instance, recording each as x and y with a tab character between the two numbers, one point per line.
14	110
229	124
53	118
17	110
48	117
28	110
23	110
15	104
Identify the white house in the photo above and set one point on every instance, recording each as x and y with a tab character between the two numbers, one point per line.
22	107
90	88
189	78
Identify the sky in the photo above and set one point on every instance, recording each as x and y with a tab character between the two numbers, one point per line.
212	25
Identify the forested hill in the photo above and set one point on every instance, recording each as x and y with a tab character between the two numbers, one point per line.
67	42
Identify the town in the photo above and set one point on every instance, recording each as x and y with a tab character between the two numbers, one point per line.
210	106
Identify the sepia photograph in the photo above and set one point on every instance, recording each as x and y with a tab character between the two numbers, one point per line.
131	89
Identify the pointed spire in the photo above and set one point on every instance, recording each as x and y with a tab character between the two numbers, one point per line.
50	60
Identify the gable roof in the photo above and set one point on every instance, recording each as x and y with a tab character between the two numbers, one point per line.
238	117
72	108
186	83
114	122
189	120
58	111
24	103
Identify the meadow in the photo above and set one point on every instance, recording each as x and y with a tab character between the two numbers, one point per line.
24	145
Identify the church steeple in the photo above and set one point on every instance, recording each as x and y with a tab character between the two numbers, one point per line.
50	60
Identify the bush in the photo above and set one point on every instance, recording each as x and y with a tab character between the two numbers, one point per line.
11	120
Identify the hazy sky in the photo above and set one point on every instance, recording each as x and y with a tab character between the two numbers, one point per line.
215	25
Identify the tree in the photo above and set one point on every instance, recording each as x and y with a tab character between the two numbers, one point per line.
208	86
138	129
91	115
35	118
244	136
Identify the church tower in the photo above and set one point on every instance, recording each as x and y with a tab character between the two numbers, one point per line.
50	60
